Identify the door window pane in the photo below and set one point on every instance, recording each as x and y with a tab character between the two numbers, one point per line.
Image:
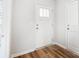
44	12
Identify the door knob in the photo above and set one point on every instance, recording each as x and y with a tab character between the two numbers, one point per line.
37	28
68	28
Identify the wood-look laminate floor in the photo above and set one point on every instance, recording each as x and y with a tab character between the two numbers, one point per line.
52	51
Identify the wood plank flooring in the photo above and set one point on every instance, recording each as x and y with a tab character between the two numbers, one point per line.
52	51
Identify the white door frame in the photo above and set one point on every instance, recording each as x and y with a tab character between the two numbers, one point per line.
38	6
6	29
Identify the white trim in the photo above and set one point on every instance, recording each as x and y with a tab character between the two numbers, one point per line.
22	52
31	50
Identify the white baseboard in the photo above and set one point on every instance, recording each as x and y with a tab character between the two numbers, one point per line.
31	50
22	52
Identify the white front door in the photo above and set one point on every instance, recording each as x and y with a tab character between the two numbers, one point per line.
44	25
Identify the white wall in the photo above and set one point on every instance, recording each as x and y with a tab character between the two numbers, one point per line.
60	22
23	24
23	37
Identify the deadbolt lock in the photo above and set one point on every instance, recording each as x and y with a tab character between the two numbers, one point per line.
37	24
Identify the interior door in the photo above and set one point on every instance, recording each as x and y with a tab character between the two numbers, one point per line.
73	26
44	25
